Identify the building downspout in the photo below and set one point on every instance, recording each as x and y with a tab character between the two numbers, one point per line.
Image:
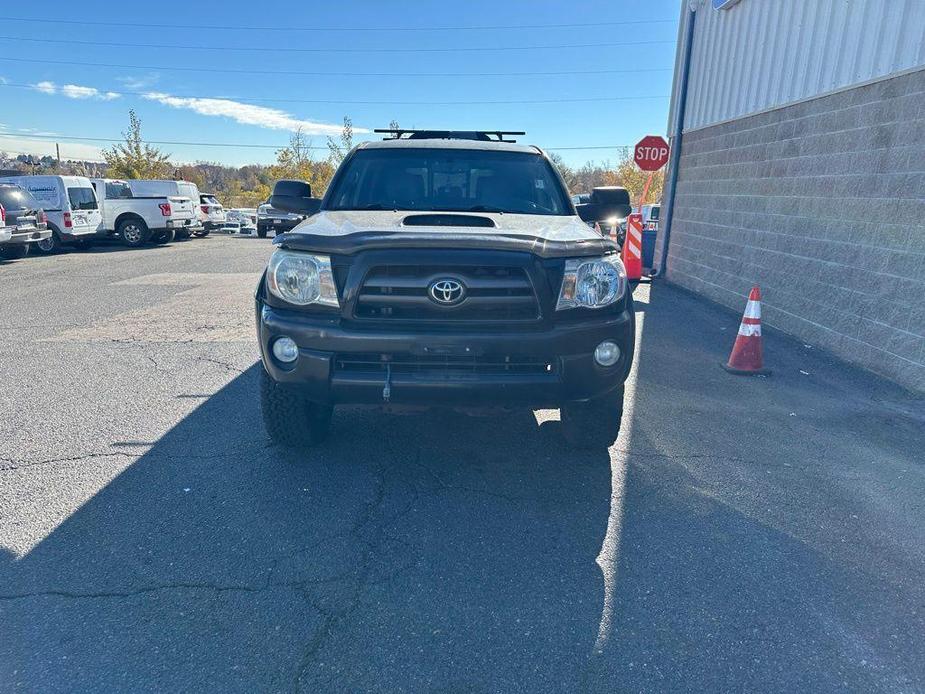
676	136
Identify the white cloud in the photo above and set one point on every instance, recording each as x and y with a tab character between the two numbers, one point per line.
247	114
69	150
75	91
136	82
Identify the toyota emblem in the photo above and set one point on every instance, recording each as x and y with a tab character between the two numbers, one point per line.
447	292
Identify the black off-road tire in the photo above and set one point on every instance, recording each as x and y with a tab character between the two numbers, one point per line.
181	234
133	233
202	234
14	251
165	236
51	245
262	232
290	418
595	423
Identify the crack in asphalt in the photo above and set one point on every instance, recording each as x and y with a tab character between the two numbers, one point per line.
22	464
372	545
13	464
228	366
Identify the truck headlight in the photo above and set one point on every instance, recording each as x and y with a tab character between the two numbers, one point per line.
302	278
592	282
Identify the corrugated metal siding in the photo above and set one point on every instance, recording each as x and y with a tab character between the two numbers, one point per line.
765	53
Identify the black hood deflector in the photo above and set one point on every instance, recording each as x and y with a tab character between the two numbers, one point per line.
348	244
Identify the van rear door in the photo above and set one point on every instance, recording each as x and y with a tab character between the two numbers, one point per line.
85	212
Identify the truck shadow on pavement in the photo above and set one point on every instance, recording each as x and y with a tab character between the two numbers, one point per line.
440	552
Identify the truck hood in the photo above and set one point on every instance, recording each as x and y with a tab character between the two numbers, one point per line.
348	232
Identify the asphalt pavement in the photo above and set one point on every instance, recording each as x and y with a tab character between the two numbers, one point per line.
743	534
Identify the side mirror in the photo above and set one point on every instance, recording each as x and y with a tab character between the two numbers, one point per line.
294	196
599	212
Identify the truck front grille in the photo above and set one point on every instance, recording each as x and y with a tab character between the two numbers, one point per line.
401	292
482	365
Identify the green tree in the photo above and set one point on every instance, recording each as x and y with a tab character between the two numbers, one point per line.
340	149
296	161
634	179
135	159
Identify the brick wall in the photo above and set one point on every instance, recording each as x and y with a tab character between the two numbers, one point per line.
823	205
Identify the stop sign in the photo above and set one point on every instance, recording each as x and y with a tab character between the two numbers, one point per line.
651	153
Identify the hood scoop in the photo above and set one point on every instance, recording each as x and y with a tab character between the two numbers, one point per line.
445	219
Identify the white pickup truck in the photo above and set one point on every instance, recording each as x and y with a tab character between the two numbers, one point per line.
135	220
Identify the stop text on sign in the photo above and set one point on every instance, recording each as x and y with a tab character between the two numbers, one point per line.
651	153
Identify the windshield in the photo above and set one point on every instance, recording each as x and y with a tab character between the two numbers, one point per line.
82	198
449	180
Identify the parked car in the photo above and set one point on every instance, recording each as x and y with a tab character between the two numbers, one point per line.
241	221
135	219
443	269
71	207
211	213
245	216
168	188
22	222
278	221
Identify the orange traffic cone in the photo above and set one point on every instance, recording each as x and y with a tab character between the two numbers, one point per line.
746	357
597	228
613	233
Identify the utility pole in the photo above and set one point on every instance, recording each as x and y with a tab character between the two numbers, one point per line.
58	153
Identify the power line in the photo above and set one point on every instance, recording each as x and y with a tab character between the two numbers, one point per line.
200	27
282	49
318	73
369	103
78	139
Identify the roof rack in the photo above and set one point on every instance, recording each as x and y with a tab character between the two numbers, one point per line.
483	135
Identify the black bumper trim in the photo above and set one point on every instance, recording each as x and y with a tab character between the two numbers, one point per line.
576	376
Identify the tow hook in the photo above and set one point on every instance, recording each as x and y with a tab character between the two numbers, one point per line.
387	390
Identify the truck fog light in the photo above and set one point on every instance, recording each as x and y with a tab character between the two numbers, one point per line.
285	350
607	353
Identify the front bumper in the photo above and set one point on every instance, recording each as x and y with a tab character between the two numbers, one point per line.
279	227
568	348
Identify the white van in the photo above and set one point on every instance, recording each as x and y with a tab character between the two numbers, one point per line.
70	202
181	189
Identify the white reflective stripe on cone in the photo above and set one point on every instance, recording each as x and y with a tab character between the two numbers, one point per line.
750	330
634	249
753	309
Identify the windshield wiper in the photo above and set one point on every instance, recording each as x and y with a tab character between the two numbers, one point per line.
483	208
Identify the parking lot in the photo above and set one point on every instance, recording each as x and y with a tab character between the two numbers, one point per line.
743	533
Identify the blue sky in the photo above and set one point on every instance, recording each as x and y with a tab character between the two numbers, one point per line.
159	75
